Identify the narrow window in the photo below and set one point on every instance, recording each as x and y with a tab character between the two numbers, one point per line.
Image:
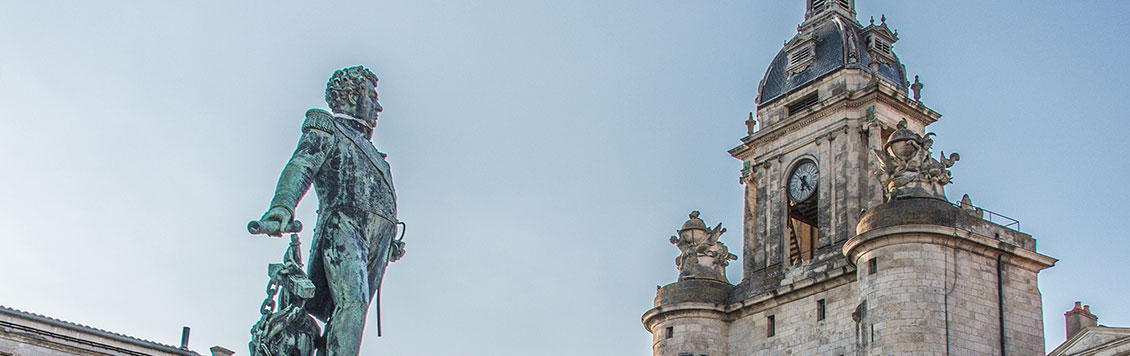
820	310
872	265
670	332
772	326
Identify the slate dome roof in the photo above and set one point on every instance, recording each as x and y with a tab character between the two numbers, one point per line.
839	45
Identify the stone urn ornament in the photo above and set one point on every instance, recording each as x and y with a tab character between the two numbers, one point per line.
907	168
702	255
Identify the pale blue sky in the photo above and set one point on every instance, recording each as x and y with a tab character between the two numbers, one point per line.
543	152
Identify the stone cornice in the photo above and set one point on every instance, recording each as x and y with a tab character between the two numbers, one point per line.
682	310
782	295
884	93
946	236
791	292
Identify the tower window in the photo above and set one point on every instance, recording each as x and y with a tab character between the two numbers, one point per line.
772	329
872	265
803	103
803	200
844	4
820	310
670	332
801	56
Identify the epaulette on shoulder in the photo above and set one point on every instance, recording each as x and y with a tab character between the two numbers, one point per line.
318	119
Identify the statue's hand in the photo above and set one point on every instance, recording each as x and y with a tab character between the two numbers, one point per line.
280	215
396	250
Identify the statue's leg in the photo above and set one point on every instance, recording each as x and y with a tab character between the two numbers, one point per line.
345	258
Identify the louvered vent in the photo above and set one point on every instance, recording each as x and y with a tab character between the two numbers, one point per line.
804	103
800	56
818	5
882	46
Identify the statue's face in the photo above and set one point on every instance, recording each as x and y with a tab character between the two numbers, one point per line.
367	105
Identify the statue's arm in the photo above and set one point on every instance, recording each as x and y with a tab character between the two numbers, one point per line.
313	148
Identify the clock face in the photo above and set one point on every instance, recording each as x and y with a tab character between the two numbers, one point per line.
802	183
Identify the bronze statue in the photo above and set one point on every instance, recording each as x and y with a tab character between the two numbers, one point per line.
354	236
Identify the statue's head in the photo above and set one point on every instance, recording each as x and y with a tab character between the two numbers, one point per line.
353	91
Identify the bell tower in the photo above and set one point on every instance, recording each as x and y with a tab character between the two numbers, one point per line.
849	243
835	91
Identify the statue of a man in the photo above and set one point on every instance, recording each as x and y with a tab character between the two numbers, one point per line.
353	238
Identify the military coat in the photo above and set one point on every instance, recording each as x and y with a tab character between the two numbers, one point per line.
356	203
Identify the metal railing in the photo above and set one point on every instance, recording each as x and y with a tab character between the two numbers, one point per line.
990	215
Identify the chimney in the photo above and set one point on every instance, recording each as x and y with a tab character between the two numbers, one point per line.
1079	318
221	351
184	338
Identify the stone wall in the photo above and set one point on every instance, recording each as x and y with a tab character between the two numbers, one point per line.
695	333
797	330
934	294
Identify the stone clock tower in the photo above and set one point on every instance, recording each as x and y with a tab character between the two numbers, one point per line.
835	92
850	246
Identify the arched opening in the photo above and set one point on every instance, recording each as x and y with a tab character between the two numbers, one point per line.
803	210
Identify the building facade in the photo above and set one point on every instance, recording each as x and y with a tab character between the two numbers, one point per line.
1085	337
843	251
29	334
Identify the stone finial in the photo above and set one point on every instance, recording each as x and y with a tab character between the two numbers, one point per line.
701	256
917	89
909	170
1079	318
967	205
750	124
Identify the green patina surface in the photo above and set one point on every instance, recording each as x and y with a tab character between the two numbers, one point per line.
353	238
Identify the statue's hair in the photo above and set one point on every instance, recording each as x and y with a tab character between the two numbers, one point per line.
345	86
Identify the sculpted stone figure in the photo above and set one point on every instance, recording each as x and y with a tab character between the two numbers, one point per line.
702	255
354	236
909	170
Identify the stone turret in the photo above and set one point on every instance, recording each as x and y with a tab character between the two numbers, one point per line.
689	315
936	274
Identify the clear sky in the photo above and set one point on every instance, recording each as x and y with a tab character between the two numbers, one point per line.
543	152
